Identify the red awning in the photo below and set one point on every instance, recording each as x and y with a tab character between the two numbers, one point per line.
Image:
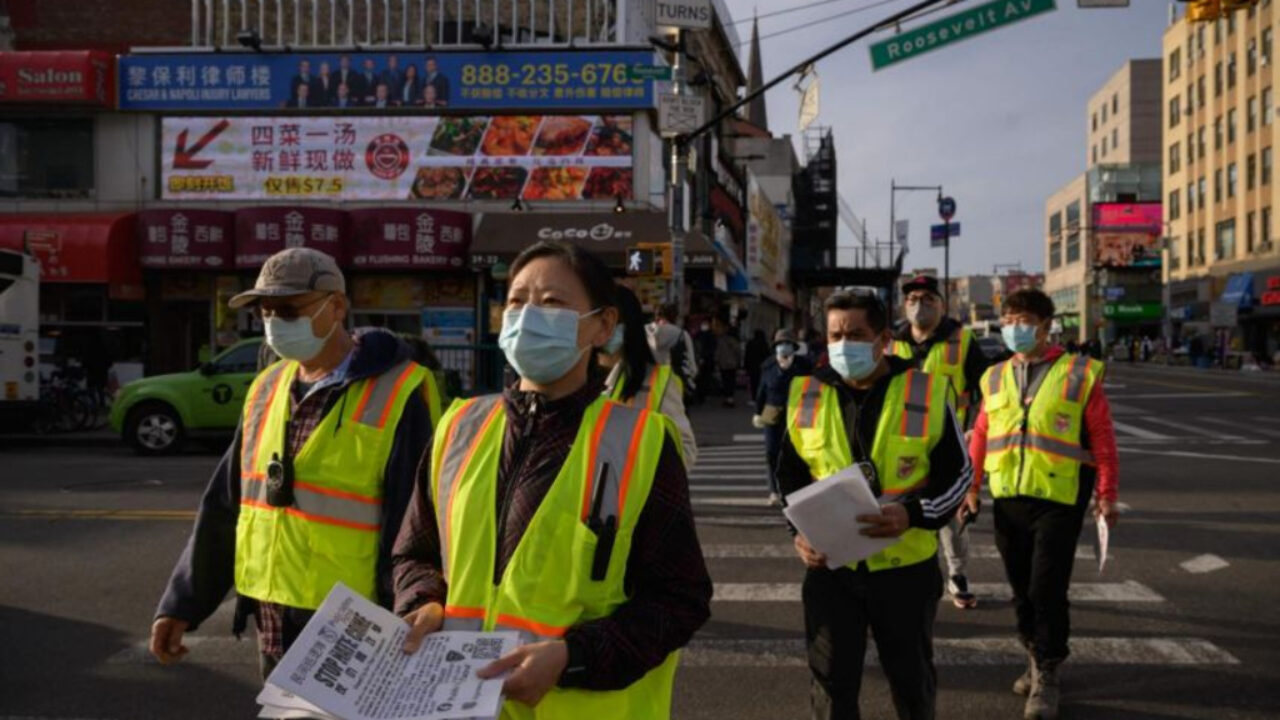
78	247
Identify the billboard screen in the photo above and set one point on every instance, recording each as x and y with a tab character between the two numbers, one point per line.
535	157
1127	234
1131	217
430	82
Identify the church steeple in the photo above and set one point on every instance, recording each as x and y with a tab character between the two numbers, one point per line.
756	114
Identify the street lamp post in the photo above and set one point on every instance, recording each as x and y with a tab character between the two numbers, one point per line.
894	189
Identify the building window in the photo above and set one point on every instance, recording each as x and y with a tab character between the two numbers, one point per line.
48	158
1251	121
1231	126
1175	64
1250	171
1268	112
1174	262
1175	208
1191	149
1232	174
1266	166
1104	113
1217	185
1217	133
1217	79
1055	254
1200	192
1248	233
1191	249
1115	104
1095	154
1055	225
1224	241
1115	139
1175	159
1095	122
1200	92
1191	197
1265	230
1175	114
1073	248
1266	46
1073	215
1104	146
1251	60
1231	71
1200	248
1200	142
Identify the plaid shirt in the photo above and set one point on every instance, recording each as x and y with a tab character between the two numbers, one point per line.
670	590
278	624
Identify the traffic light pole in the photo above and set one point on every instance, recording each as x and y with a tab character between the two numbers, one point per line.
679	173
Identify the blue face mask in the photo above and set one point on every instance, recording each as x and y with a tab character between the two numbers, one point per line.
784	350
853	360
541	343
1019	338
614	343
293	339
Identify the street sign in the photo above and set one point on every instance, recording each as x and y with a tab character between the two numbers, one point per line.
692	14
939	232
946	208
1223	314
900	233
1102	3
960	26
679	114
648	72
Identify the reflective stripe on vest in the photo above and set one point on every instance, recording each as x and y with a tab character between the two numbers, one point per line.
805	413
915	420
374	404
464	434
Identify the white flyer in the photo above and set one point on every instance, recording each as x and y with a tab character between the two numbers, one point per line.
1104	539
825	513
349	663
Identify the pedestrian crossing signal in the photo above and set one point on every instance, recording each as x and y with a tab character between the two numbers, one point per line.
641	261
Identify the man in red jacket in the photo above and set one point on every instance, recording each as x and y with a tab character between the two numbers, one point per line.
1045	440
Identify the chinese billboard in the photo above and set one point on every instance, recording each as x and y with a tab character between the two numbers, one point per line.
186	239
1127	234
430	82
555	157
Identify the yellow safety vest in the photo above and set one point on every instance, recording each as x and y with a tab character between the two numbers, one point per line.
548	586
650	396
293	555
910	425
1034	450
946	359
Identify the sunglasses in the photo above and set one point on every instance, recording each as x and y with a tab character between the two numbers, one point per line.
288	312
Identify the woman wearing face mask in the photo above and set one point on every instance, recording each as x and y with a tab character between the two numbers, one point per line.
592	554
771	399
894	422
635	379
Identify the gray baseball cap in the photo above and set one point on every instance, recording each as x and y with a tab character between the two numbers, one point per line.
296	271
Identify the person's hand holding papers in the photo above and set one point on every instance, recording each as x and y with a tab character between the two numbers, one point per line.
535	669
890	523
811	557
422	622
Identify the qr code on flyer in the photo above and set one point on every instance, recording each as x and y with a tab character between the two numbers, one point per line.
487	649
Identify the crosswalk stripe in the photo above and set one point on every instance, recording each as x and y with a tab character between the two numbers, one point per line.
1204	564
719	476
767	551
1127	591
1138	432
758	465
761	502
728	488
775	520
790	652
1190	428
1242	426
749	438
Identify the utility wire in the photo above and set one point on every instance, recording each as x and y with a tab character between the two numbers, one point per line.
775	13
820	21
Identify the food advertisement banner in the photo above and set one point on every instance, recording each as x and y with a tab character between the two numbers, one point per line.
534	157
429	82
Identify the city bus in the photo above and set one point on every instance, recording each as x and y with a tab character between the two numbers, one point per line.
19	331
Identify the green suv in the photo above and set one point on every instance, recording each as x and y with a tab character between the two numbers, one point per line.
157	414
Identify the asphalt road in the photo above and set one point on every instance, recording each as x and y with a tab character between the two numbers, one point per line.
1183	622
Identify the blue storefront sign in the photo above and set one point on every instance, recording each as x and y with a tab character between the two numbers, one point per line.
562	80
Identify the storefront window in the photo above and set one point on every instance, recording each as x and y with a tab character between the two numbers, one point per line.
46	158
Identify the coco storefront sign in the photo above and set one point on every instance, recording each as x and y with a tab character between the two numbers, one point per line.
555	157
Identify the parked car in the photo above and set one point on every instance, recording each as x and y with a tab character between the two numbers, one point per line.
157	414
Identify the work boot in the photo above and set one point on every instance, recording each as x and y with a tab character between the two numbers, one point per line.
1022	686
1042	703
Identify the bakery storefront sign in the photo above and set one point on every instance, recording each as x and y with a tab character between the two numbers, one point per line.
501	236
403	238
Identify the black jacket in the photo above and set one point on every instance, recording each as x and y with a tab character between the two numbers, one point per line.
775	383
975	361
205	571
950	472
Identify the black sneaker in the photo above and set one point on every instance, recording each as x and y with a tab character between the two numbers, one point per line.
960	595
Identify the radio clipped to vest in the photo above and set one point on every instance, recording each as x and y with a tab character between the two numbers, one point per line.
279	482
606	529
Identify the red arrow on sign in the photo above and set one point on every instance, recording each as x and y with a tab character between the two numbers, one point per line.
184	159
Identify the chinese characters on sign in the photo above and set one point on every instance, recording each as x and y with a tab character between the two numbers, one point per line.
192	239
264	231
407	238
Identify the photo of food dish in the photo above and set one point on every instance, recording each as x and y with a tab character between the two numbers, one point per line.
440	183
493	183
458	135
611	137
555	183
510	135
562	135
605	183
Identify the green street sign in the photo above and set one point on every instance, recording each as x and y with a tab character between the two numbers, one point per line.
648	72
960	26
1133	311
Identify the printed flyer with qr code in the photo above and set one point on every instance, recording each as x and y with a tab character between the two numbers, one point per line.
348	663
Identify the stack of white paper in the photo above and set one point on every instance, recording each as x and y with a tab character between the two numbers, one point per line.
825	511
348	665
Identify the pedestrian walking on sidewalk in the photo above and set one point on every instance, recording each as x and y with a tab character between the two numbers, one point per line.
633	378
939	345
352	417
771	400
555	512
672	345
873	409
1045	439
728	360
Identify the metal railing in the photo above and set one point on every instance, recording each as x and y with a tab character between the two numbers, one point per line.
383	24
471	369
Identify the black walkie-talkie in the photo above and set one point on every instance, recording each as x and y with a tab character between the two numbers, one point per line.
606	529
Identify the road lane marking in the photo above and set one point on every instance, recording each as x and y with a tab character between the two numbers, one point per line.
91	514
1204	456
1190	428
1243	426
790	652
742	520
1138	432
769	551
1129	591
754	438
1179	396
1206	563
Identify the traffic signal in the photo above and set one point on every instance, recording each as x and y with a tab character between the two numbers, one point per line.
641	261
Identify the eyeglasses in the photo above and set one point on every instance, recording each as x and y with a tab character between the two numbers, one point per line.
288	312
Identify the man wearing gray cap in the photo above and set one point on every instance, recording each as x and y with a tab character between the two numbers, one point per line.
315	484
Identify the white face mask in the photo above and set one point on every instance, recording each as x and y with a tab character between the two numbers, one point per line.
293	339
